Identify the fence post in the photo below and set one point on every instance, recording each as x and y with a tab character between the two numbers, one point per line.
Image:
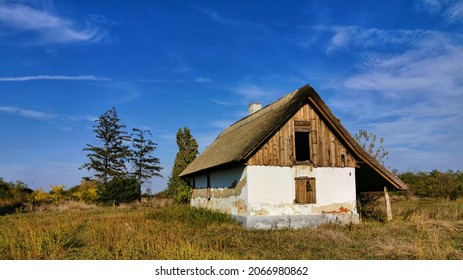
388	205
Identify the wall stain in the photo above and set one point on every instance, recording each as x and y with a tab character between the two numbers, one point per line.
335	208
240	206
261	213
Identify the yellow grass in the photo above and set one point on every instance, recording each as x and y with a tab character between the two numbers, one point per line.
160	230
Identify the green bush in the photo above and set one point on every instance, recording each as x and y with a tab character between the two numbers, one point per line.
120	190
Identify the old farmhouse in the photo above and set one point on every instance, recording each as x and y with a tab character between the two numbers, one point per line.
289	164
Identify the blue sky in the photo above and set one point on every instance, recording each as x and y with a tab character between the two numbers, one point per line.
394	68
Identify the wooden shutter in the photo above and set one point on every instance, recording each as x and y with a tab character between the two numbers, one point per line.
305	190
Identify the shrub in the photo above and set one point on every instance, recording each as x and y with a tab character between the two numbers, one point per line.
370	208
39	197
57	194
120	190
87	191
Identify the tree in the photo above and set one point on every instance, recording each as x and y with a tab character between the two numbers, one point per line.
178	188
145	165
108	160
368	142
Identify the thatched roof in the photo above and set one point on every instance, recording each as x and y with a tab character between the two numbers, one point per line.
236	144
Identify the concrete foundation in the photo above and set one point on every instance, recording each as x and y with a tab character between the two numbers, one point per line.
295	221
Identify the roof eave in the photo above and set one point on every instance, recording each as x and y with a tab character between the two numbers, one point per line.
234	163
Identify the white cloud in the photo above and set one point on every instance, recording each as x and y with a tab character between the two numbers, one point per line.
454	13
411	98
355	37
53	77
31	114
196	80
252	93
222	102
50	28
44	116
434	65
451	11
203	80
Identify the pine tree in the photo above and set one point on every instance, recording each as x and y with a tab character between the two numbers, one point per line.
178	188
108	160
145	165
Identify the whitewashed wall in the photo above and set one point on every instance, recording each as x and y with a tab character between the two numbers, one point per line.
264	196
272	190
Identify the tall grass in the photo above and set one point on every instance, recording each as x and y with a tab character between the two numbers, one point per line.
419	230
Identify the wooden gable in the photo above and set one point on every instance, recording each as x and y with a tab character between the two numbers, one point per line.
324	148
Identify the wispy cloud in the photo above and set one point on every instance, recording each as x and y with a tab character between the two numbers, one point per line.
354	37
180	65
203	80
233	22
432	65
222	102
43	116
406	95
53	77
121	92
196	80
451	11
26	113
254	93
48	27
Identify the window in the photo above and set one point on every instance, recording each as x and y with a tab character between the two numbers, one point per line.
305	190
302	141
302	146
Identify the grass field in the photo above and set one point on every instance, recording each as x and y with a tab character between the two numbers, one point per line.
420	230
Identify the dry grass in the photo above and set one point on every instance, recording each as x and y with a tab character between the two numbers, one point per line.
160	230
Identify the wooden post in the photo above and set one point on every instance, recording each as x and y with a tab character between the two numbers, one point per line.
388	205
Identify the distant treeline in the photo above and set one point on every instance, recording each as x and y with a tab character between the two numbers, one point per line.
17	194
435	184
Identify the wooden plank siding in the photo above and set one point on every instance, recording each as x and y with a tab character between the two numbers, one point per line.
325	148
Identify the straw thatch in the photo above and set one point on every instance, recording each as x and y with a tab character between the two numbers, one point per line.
236	144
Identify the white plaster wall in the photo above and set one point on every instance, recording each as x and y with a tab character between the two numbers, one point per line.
269	184
272	190
335	185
